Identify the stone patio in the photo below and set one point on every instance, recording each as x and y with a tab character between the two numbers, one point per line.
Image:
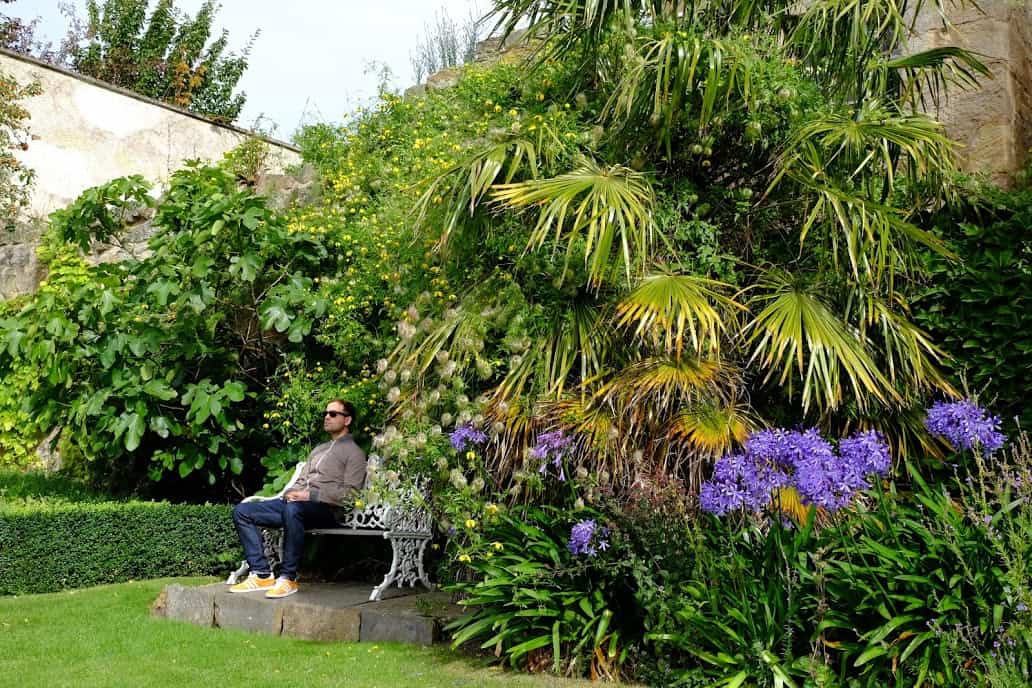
319	611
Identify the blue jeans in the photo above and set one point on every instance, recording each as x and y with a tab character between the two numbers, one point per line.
292	517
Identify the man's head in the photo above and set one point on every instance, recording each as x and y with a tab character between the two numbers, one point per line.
338	417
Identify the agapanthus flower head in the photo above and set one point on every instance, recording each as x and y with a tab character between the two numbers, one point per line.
550	449
965	425
799	459
465	436
586	537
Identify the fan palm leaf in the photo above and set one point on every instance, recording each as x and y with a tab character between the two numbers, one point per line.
668	308
711	428
909	356
796	333
579	340
460	188
841	40
607	208
919	76
657	386
870	146
674	77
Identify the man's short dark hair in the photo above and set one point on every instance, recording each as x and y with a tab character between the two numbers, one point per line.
348	407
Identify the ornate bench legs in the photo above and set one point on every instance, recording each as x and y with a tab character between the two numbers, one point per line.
272	542
406	563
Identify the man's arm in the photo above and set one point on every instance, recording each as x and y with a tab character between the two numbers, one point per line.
344	473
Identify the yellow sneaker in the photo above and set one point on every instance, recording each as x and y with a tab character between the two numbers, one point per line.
253	583
283	588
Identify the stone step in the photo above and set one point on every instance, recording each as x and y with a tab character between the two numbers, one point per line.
338	612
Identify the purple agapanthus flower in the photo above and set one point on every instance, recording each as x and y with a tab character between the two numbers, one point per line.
465	436
550	449
965	425
587	538
803	460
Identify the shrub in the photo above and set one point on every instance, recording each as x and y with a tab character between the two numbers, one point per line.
541	598
979	308
899	576
21	485
47	546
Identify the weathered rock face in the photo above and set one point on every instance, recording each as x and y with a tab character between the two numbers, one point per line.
993	123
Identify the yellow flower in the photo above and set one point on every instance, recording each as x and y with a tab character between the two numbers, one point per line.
471	455
471	524
498	546
491	509
464	558
359	504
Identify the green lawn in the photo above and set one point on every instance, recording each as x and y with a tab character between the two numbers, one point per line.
104	637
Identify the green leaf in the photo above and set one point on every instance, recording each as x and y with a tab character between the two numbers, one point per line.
135	427
234	391
160	389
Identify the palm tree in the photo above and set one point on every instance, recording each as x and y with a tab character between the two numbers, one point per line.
804	129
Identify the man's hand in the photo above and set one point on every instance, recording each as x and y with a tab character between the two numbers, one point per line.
297	496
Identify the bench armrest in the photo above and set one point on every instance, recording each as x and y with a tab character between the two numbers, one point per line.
279	495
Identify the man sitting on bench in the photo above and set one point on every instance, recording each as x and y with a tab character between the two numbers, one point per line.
332	472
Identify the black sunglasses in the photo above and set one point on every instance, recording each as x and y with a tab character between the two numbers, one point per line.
334	414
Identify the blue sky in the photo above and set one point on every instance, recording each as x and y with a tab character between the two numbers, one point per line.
310	61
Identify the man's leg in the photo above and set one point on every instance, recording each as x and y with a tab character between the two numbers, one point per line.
247	517
297	517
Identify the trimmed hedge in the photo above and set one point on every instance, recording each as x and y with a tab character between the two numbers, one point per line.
49	546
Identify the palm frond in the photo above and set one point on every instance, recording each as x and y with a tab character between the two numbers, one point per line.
927	74
666	307
675	77
654	387
840	40
579	340
460	188
607	208
713	429
795	332
872	146
563	25
908	355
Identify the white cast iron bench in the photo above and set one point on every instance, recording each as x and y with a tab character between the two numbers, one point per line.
407	524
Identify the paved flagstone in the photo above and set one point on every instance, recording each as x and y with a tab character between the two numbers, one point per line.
319	611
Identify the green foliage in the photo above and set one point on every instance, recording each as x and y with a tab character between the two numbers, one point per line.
741	616
901	575
15	178
979	307
18	485
48	546
167	55
534	602
155	356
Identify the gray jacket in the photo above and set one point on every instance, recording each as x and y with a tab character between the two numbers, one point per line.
333	471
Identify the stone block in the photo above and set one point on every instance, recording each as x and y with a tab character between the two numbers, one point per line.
383	626
313	622
248	613
193	605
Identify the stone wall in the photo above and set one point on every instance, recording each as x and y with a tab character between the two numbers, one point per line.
993	123
85	133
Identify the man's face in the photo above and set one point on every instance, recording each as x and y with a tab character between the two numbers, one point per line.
334	419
